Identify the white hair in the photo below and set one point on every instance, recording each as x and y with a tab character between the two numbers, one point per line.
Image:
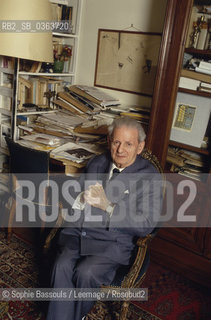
127	122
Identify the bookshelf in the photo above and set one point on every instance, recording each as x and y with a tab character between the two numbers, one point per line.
186	250
195	89
199	53
39	82
6	77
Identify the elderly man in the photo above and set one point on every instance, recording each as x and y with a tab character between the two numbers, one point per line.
116	208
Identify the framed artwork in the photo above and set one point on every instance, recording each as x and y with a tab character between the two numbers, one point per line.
191	118
127	60
184	116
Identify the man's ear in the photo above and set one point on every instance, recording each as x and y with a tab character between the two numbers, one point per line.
141	147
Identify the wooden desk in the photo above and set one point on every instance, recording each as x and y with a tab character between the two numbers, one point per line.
65	166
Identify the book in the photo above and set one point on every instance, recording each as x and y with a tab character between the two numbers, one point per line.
202	70
34	91
80	98
21	96
66	13
62	12
73	4
70	99
189	83
43	139
8	63
42	96
63	104
190	175
95	95
50	131
36	67
140	109
205	65
24	92
56	12
205	85
27	83
5	91
174	159
204	89
196	75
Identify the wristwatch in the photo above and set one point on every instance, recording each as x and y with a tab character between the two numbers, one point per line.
110	209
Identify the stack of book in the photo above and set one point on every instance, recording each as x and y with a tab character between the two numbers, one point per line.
204	67
6	90
185	162
30	66
7	62
78	114
92	95
75	152
75	155
206	87
61	12
58	123
66	100
84	99
82	116
196	80
35	91
59	134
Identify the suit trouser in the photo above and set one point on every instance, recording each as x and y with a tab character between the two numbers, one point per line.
72	270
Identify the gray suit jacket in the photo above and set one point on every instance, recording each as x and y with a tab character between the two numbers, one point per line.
137	194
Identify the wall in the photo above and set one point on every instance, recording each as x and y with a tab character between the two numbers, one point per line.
145	15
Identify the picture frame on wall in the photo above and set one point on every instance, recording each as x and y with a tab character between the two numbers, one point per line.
127	60
191	118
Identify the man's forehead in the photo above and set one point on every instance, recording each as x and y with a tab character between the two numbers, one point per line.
132	130
131	134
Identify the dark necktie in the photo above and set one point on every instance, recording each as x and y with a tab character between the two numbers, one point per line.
115	173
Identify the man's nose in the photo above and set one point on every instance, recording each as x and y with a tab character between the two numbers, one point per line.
120	148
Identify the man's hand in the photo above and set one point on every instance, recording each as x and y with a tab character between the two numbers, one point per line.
96	197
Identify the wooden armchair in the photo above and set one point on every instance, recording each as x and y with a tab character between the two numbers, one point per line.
133	275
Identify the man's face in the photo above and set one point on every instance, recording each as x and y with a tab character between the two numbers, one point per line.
124	146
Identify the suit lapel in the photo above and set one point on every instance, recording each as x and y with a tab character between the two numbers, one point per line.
126	176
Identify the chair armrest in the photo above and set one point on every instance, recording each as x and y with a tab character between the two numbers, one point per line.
53	232
137	272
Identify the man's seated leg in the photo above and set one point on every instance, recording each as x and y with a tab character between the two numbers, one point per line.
92	272
62	276
74	271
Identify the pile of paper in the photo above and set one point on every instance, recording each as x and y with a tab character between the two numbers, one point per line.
77	152
48	140
77	129
92	96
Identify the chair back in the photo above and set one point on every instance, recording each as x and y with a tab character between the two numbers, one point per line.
27	160
31	165
148	155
